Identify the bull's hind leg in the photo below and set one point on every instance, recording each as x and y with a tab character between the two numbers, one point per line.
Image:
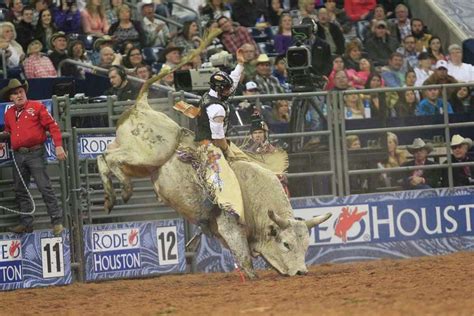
234	236
125	181
105	175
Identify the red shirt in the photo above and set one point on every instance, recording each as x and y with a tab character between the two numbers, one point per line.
30	128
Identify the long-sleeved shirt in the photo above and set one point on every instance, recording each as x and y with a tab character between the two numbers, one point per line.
92	24
427	108
234	40
28	127
37	66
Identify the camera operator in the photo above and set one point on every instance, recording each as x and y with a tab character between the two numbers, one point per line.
67	17
320	50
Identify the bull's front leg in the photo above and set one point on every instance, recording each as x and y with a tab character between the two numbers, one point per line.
235	238
105	175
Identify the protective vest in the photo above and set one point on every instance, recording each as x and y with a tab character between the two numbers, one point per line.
203	128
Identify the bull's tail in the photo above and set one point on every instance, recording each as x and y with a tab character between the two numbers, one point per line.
105	175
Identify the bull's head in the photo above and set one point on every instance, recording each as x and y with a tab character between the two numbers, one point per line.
286	242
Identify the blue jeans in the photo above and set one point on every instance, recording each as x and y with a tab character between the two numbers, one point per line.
34	164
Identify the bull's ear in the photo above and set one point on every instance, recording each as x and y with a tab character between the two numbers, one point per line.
281	222
310	223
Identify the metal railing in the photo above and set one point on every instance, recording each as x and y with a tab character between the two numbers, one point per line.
4	64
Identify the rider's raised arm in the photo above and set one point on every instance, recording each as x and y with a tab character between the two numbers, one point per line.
239	68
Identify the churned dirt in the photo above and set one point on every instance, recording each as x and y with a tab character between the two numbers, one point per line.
442	285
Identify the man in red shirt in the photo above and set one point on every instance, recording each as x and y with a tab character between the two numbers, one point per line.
26	123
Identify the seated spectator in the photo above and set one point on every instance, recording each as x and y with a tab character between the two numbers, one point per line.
133	59
67	17
156	31
267	83
280	71
338	65
382	104
127	30
274	12
410	78
353	106
247	108
381	46
143	71
432	104
13	51
215	9
352	142
420	178
36	65
461	175
462	100
15	12
189	38
107	58
58	43
435	50
393	75
359	10
120	86
196	62
45	29
233	37
341	81
283	39
112	13
456	68
280	113
338	16
38	6
407	103
409	53
440	76
93	19
359	79
307	9
330	32
379	15
171	56
25	29
104	41
418	31
396	157
77	52
423	70
401	26
352	55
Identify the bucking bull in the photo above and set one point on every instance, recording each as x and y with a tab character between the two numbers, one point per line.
146	146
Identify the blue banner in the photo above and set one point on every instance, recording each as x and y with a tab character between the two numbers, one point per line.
34	260
92	145
127	250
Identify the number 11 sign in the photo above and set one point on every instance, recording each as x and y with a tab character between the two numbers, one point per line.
52	257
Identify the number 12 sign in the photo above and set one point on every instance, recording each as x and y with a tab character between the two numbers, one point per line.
167	245
52	257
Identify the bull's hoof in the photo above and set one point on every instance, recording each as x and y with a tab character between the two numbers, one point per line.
251	275
126	193
108	204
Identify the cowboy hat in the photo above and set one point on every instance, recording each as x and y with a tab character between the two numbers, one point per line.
143	3
166	51
102	40
458	140
12	84
419	144
55	36
262	58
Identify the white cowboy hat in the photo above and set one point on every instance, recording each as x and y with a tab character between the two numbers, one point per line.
458	140
418	144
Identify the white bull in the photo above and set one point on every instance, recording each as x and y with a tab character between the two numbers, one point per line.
145	145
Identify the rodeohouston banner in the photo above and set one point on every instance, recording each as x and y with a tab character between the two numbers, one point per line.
373	226
127	250
33	260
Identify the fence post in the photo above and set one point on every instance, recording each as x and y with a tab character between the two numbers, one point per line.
331	128
447	136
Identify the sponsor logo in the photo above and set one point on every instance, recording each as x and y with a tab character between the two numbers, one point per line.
96	145
116	250
10	261
4	151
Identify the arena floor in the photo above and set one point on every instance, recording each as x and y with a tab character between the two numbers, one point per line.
441	285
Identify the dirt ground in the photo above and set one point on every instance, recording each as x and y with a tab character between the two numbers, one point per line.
428	285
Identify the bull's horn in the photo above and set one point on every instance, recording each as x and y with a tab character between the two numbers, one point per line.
317	220
282	223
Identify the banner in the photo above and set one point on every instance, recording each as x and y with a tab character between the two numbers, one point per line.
127	250
92	145
6	105
374	226
34	260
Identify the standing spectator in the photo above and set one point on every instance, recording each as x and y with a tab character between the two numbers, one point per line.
245	12
435	50
36	65
215	9
422	38
93	19
432	104
27	123
120	86
189	38
45	28
234	37
330	32
423	71
77	52
407	103
420	178
409	53
13	51
67	17
127	30
112	13
171	56
460	71
393	75
401	28
25	29
267	83
381	45
156	31
462	100
352	55
359	10
283	39
461	175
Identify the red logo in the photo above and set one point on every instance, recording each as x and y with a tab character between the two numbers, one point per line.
14	250
346	220
133	237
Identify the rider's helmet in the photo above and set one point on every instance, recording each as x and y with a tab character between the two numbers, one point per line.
220	82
